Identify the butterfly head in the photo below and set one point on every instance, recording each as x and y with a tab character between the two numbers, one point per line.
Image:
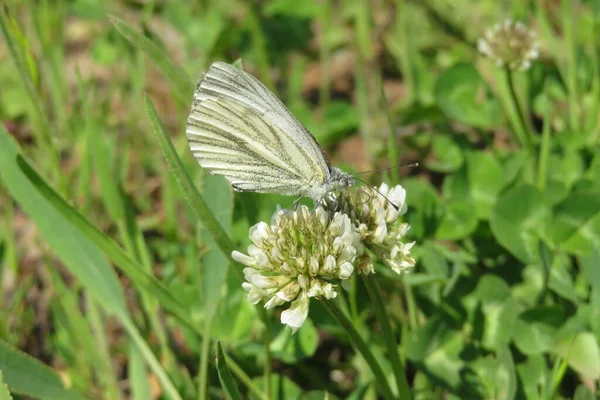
340	179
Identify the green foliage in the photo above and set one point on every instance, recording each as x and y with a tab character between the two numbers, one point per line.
115	246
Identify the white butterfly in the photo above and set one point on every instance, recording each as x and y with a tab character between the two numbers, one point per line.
239	129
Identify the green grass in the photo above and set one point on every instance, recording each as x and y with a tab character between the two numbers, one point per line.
115	245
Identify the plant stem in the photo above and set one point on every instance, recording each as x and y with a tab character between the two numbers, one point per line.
411	305
244	378
362	347
204	353
544	151
267	342
388	335
526	139
392	145
571	69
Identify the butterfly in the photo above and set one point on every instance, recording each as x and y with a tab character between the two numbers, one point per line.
239	129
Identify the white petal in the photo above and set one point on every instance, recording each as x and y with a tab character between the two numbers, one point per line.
314	266
346	270
243	258
273	302
259	233
380	232
295	316
262	282
330	264
302	281
329	292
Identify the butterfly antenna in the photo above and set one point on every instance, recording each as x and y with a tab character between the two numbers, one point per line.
387	169
381	194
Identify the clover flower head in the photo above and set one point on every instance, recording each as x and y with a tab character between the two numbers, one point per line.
296	257
510	44
379	225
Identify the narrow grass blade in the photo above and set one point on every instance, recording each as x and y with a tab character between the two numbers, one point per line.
25	375
80	253
194	199
225	377
88	339
151	360
138	380
131	268
174	73
45	129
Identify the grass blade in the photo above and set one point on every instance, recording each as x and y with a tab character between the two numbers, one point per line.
225	377
129	267
174	73
45	129
191	194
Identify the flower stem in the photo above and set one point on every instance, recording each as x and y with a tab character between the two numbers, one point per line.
204	355
388	335
526	134
362	347
544	151
267	342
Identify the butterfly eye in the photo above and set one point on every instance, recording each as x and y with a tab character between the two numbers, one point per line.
344	182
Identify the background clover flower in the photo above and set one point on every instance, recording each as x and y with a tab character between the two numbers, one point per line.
296	257
380	226
510	44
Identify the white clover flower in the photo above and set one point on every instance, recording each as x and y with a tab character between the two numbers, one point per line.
510	44
296	257
379	225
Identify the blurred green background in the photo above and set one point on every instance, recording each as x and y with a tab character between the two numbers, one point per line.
504	302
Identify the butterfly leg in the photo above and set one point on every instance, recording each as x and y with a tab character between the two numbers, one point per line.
297	202
317	204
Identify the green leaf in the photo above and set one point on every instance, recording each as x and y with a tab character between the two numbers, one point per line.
175	74
575	216
225	377
518	218
532	374
536	330
506	376
561	281
589	267
583	393
25	375
445	363
497	375
458	221
582	354
499	311
425	339
464	96
291	348
448	154
215	263
4	392
486	179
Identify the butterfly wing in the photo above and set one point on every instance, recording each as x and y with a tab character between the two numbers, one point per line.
239	129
